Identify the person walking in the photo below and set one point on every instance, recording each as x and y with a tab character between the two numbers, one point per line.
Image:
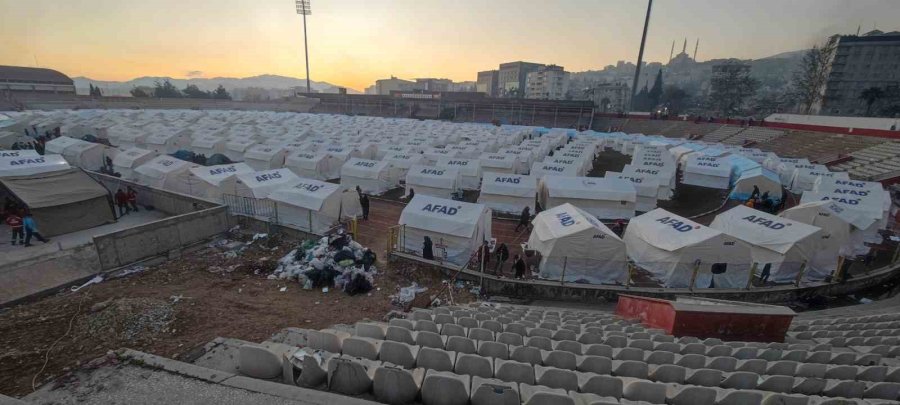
519	266
122	202
524	219
132	199
484	255
14	221
31	230
364	203
502	253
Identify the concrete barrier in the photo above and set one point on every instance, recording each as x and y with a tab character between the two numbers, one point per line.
161	200
157	238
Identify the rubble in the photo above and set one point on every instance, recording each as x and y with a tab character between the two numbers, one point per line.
337	261
129	319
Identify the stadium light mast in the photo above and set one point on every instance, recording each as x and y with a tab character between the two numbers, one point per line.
637	71
303	8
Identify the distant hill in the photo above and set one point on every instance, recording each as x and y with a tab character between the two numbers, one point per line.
788	55
232	84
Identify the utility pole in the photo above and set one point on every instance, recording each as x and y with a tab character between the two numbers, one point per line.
637	71
304	9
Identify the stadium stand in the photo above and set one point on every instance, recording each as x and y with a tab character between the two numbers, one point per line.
722	133
873	163
753	135
817	146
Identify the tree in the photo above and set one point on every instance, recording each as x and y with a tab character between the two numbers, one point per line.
139	93
221	94
642	100
731	86
655	94
192	91
808	82
675	98
871	96
165	90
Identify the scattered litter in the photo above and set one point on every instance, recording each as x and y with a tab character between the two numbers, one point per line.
282	289
129	271
865	301
407	294
258	236
176	298
325	289
96	280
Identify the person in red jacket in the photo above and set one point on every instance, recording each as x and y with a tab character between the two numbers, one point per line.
122	202
132	199
15	223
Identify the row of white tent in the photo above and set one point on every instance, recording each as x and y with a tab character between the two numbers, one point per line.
677	252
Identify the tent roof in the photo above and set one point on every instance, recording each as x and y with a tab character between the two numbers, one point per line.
364	168
852	217
592	188
310	194
55	188
28	165
667	231
761	229
516	185
466	167
215	174
440	215
567	219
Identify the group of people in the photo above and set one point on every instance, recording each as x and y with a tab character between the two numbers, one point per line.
126	200
763	202
21	224
40	141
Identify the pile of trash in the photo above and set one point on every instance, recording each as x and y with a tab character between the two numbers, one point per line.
335	261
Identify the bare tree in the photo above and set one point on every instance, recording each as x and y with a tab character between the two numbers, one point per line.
808	83
731	86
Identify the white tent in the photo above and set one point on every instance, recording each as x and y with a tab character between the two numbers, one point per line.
372	176
315	206
83	154
265	157
469	171
840	234
456	228
434	154
869	199
126	161
786	169
671	247
707	171
164	172
58	146
602	197
499	163
19	153
262	183
766	180
781	242
390	149
584	165
575	247
508	193
28	165
524	159
208	145
804	177
313	165
437	182
402	161
646	186
212	182
235	148
541	169
167	141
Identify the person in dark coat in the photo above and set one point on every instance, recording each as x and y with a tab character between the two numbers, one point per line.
412	193
368	259
524	219
122	202
755	192
364	203
519	266
502	253
484	254
427	249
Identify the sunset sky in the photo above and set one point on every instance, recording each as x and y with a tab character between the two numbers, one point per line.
355	42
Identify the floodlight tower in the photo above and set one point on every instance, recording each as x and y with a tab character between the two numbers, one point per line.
303	8
637	71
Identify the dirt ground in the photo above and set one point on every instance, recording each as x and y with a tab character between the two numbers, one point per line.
175	307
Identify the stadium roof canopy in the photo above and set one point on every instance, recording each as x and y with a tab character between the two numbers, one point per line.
20	74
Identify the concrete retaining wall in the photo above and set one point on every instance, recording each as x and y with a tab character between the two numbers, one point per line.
161	237
161	200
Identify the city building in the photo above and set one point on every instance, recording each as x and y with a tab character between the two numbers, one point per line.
384	87
431	84
610	97
512	78
487	82
859	63
548	82
16	79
